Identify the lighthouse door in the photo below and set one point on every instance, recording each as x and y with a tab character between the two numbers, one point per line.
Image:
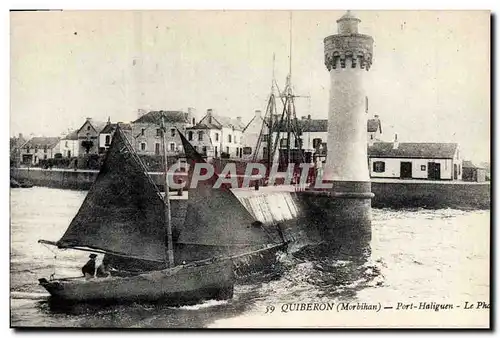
405	170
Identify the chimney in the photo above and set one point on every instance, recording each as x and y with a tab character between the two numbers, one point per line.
20	135
257	113
209	114
309	116
376	116
303	117
109	121
89	119
395	144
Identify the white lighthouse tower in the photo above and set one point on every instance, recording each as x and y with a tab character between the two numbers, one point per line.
348	57
342	211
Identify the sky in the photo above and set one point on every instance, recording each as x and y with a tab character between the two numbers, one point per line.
429	81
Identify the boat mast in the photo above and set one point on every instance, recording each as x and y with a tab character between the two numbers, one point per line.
168	215
270	128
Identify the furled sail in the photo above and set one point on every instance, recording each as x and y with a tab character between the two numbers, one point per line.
215	216
123	212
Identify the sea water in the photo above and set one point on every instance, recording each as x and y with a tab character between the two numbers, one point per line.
429	256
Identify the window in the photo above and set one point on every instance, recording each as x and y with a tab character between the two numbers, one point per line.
194	121
66	144
216	151
88	136
200	136
459	166
157	149
27	150
36	149
371	136
227	150
108	140
229	138
423	167
190	136
142	131
158	132
143	146
88	127
265	138
316	143
204	150
217	136
172	146
378	167
45	149
283	142
247	150
44	157
172	132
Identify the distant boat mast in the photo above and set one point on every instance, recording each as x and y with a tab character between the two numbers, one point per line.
168	214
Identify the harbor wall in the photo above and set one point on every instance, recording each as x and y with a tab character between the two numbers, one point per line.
388	193
435	195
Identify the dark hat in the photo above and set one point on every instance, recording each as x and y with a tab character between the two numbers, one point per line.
93	256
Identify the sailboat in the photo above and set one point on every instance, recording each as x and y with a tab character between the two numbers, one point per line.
217	223
125	216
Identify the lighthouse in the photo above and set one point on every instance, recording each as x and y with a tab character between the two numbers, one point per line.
342	210
348	58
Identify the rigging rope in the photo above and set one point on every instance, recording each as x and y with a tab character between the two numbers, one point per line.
54	262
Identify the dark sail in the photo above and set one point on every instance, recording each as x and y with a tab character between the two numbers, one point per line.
123	212
216	216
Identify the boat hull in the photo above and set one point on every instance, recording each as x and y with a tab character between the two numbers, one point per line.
177	286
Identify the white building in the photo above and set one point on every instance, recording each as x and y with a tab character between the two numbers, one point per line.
432	161
106	134
39	148
251	134
69	146
217	136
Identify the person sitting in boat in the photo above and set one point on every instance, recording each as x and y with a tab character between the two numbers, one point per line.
88	269
103	268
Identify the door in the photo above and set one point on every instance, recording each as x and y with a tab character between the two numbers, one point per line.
433	171
405	170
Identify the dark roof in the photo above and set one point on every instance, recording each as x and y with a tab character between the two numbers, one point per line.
413	150
171	116
469	164
219	122
321	125
110	127
71	136
42	142
373	125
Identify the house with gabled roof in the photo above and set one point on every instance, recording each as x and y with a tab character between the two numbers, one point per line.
251	134
472	172
145	134
39	148
412	160
88	136
217	135
106	134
